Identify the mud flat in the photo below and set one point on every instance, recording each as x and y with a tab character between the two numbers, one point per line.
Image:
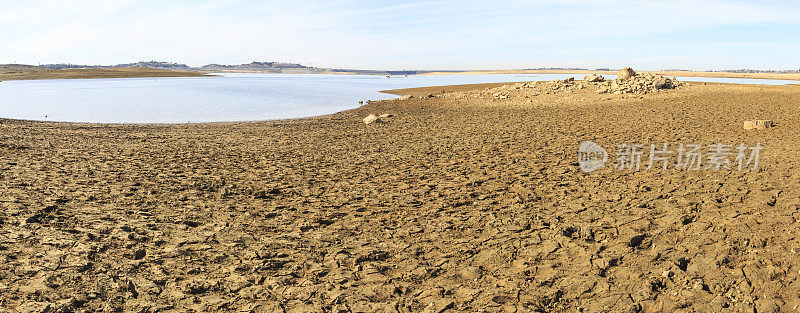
468	199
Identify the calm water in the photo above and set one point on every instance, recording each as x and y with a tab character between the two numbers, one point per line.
233	97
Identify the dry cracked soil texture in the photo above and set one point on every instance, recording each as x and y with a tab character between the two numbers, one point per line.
461	202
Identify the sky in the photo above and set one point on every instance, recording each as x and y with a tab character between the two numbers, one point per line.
394	35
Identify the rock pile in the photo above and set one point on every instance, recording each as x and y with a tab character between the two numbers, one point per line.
642	83
636	84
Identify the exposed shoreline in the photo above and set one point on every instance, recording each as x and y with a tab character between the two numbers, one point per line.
469	200
777	76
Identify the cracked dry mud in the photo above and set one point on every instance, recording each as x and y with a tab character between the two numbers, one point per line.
460	203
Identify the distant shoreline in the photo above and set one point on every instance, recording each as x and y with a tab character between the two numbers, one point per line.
28	72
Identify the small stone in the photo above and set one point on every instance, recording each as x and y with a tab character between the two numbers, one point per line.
758	124
372	119
406	97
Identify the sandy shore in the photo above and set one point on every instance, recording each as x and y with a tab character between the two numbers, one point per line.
781	76
463	202
26	72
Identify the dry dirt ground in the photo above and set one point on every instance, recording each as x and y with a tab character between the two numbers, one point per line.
460	203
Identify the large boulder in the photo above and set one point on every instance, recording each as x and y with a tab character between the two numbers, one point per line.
626	73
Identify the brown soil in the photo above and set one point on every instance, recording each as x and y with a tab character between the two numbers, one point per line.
459	203
22	72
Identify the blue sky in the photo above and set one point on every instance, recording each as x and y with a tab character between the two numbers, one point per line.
443	34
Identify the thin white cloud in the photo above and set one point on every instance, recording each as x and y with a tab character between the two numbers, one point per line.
366	34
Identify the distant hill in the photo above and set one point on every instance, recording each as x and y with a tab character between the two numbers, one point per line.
148	64
19	68
183	67
67	71
262	67
256	65
156	64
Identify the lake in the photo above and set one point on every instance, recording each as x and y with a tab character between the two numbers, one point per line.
231	97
